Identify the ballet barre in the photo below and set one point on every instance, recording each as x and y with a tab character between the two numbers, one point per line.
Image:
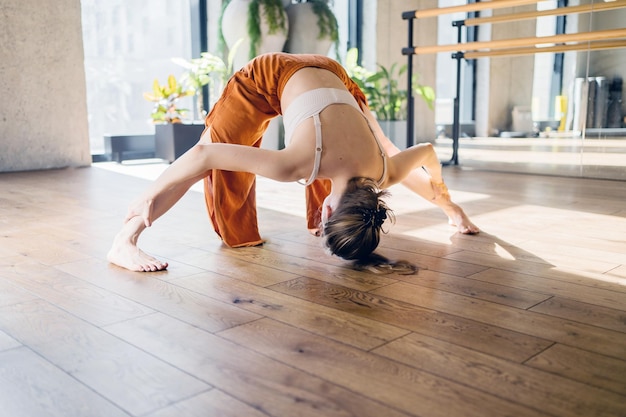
470	7
511	43
582	8
580	46
595	40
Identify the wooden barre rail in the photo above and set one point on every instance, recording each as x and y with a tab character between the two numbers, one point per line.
471	7
599	35
595	40
557	48
583	8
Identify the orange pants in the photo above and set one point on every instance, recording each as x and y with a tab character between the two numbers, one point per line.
241	115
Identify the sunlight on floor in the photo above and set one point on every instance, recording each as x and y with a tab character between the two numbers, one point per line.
507	232
404	201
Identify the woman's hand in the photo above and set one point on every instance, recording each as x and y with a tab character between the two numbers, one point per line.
141	208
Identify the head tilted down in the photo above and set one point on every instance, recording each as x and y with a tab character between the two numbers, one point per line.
353	230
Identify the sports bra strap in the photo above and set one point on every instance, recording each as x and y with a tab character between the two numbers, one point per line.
318	150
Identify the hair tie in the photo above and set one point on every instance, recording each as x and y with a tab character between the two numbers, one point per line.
374	217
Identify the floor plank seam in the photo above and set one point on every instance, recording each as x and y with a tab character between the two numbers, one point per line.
530	308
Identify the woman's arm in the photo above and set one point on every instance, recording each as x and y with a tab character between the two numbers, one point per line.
197	162
279	165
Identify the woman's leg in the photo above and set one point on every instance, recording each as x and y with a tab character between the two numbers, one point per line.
429	184
231	202
241	118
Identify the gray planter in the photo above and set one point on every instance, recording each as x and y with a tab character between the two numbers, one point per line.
119	148
173	140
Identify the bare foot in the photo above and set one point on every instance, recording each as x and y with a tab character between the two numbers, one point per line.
134	259
125	253
456	215
458	218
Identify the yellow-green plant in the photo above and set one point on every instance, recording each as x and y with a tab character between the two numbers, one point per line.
165	98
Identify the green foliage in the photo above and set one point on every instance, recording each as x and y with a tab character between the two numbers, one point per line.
384	96
275	15
200	71
209	70
165	98
326	21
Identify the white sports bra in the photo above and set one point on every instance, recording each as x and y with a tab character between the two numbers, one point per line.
311	104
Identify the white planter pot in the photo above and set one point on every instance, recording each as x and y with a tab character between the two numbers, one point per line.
304	32
235	27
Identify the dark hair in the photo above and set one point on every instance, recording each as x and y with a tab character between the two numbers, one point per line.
353	230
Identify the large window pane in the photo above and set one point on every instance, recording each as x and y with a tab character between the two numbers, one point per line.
129	43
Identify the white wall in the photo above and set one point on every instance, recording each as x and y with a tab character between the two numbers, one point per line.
43	111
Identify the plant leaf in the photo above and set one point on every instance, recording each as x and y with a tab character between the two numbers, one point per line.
183	62
172	83
150	97
156	88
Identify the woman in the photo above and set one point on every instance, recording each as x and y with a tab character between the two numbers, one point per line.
332	140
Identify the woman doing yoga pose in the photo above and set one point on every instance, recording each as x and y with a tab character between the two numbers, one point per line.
333	143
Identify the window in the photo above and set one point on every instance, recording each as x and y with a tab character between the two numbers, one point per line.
127	45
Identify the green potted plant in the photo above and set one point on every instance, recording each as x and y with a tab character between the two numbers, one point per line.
208	70
385	97
172	137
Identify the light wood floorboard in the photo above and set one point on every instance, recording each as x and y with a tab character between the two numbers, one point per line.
527	318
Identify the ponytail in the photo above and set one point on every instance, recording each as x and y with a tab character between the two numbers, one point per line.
353	230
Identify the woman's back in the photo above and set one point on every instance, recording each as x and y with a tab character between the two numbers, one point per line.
349	146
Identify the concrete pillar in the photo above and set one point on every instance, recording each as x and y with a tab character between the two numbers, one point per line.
43	111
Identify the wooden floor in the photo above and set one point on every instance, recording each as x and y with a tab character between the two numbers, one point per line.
526	319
